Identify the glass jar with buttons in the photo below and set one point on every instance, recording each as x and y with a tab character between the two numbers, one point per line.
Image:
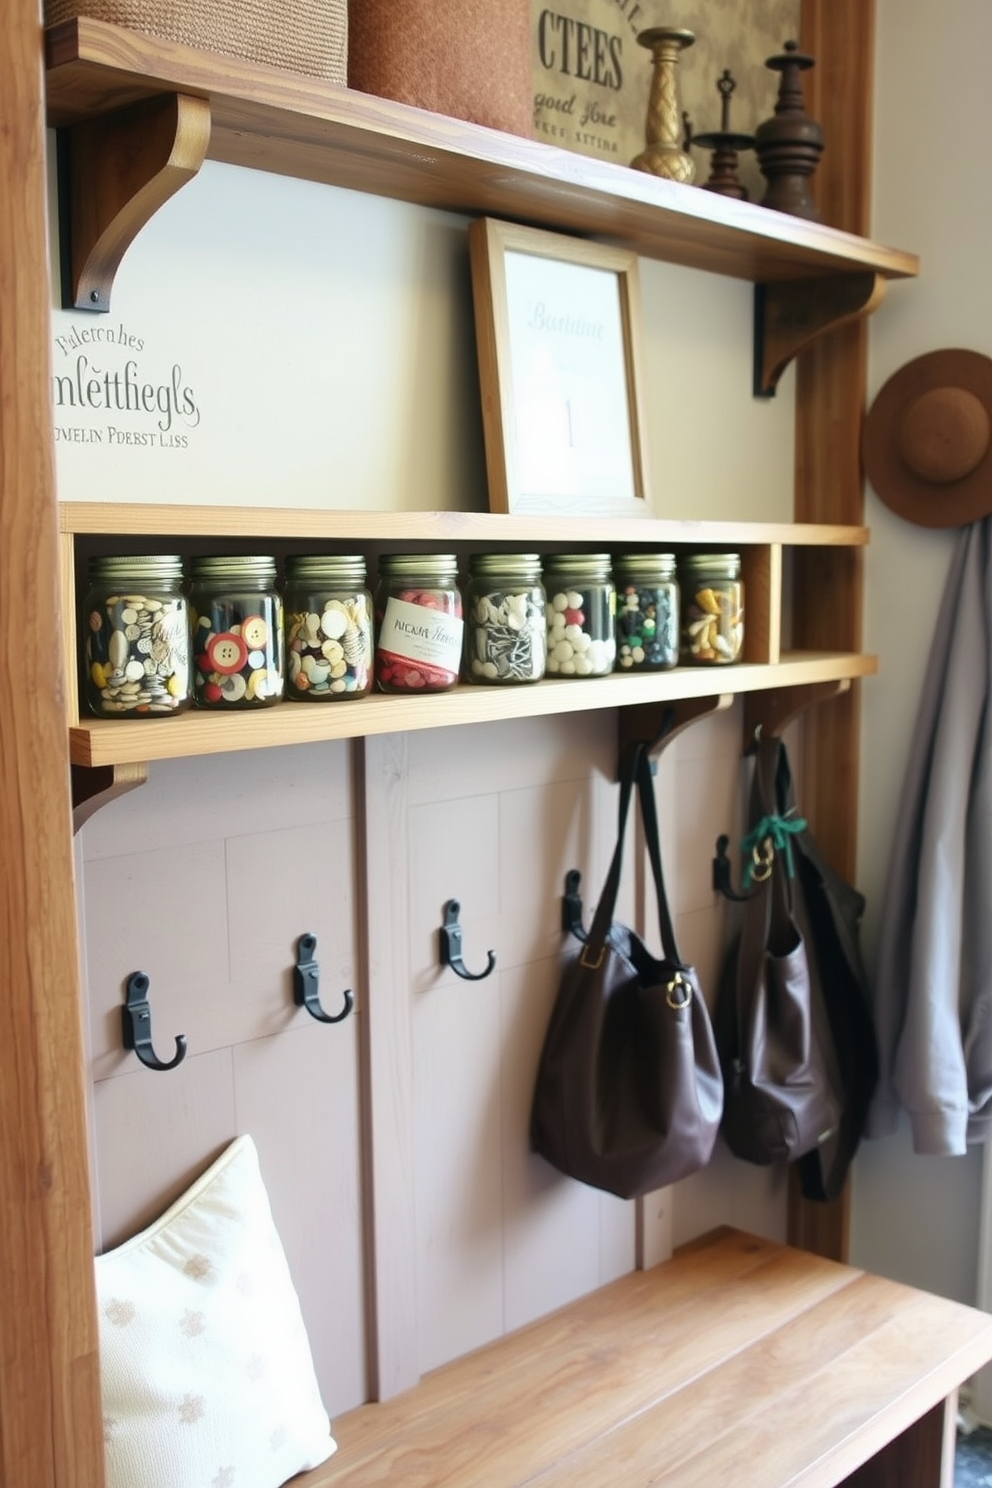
418	608
136	630
712	623
328	623
236	627
647	612
581	614
505	627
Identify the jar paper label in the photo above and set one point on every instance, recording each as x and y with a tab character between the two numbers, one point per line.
418	633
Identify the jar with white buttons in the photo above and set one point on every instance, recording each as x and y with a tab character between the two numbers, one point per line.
328	624
237	636
505	626
581	614
136	638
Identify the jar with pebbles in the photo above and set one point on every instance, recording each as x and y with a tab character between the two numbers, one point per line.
647	612
505	625
712	623
581	614
237	636
328	624
136	629
418	608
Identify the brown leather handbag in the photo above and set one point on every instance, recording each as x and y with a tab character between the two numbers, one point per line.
782	1095
628	1093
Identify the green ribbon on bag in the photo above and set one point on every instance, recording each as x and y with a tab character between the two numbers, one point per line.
771	835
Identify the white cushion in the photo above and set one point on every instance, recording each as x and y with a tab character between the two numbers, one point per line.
207	1375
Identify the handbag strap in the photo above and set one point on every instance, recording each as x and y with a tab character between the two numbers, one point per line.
636	770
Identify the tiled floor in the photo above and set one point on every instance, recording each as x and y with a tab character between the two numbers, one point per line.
973	1459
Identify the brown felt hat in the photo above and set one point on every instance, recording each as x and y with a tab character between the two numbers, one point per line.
927	444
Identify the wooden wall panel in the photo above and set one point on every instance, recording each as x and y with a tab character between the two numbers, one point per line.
49	1383
830	400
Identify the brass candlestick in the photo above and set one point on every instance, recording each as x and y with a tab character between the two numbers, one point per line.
664	155
725	145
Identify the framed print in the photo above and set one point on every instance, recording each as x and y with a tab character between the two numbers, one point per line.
556	323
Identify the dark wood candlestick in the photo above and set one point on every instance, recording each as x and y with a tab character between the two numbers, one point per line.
725	145
789	145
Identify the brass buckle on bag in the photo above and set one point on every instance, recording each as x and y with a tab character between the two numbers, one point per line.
673	998
763	856
592	965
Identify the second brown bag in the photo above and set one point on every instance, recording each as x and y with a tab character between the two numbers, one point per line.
782	1095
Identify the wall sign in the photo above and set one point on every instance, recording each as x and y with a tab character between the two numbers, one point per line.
112	389
592	78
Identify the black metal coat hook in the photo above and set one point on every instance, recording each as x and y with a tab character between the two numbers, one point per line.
571	906
451	945
136	1026
306	984
722	880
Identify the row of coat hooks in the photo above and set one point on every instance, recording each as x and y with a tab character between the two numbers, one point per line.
768	711
136	1013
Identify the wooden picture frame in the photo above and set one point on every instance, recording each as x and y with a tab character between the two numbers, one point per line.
557	324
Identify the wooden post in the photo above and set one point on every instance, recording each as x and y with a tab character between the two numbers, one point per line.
50	1433
830	399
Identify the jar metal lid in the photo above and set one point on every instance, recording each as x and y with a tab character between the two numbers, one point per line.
413	565
338	568
513	565
162	566
578	565
645	566
721	565
234	566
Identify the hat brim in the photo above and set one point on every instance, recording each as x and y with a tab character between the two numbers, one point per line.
928	503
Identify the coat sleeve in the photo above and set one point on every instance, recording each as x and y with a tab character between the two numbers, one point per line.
921	943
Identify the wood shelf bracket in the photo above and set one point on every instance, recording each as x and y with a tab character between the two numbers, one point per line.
115	172
790	314
657	724
773	710
94	786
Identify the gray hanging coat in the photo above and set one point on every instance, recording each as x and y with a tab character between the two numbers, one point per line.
933	981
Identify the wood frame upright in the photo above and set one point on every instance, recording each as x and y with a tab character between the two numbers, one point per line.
50	1419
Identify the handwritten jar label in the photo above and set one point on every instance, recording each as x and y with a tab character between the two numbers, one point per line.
422	635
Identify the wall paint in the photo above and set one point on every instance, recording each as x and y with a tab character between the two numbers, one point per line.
916	1218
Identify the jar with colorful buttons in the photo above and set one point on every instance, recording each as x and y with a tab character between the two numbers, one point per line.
328	624
581	614
136	638
418	608
647	612
505	626
712	623
236	626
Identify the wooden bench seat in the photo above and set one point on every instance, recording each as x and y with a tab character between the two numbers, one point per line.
738	1362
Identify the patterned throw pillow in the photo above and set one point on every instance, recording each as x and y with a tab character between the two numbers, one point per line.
207	1375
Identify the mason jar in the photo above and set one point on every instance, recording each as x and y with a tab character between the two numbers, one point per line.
647	612
328	624
581	606
712	624
505	627
136	637
236	627
418	609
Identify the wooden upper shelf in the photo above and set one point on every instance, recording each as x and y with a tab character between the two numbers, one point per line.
270	120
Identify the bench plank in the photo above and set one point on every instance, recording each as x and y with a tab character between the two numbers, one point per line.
739	1360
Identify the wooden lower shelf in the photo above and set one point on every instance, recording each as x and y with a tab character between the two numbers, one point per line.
102	742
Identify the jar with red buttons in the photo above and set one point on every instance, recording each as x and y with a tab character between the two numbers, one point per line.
236	629
418	608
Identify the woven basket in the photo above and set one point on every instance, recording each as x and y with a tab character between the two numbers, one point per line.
310	37
469	59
